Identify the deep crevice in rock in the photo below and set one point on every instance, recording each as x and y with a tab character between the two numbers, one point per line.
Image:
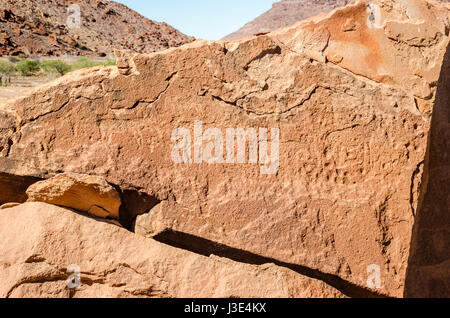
13	187
427	274
207	248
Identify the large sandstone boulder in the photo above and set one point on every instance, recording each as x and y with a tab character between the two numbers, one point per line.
13	188
91	194
341	102
113	262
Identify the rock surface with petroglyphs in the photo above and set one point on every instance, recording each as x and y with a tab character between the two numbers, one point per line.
340	106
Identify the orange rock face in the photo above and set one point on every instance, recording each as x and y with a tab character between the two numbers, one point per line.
80	192
285	13
337	113
80	27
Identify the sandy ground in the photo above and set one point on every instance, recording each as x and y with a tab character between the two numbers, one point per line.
10	92
20	86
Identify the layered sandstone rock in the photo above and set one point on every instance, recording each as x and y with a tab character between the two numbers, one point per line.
115	263
348	95
83	193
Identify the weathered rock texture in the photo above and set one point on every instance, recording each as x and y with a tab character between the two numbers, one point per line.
12	188
83	193
284	14
147	224
40	27
352	94
116	263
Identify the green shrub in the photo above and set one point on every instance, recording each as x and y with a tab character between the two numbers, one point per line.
6	70
27	67
81	47
59	67
55	66
84	62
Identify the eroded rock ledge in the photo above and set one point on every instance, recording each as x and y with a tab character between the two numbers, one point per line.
351	92
116	263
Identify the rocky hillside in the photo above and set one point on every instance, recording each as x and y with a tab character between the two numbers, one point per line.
308	162
41	27
285	13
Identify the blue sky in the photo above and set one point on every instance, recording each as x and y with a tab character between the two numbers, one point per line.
205	19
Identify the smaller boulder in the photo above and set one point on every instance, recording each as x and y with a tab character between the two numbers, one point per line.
85	193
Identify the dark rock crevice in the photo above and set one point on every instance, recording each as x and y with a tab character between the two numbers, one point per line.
134	203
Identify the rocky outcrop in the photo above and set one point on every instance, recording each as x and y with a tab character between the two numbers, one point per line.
54	28
285	13
83	193
337	111
108	261
8	205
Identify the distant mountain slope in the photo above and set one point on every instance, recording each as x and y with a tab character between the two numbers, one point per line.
287	12
40	27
